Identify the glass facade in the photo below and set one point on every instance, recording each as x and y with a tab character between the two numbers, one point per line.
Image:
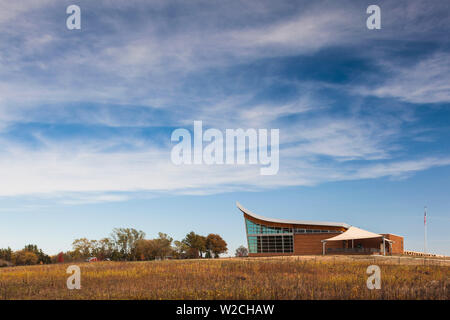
254	228
252	244
265	239
271	244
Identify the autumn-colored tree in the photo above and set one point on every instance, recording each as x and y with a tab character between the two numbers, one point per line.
196	245
42	257
145	249
163	246
24	257
160	247
215	245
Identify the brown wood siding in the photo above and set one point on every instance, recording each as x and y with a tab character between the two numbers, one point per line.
311	243
269	254
397	246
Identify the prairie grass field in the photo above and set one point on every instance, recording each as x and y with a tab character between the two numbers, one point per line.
244	278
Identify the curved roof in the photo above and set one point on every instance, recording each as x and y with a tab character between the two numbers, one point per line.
313	223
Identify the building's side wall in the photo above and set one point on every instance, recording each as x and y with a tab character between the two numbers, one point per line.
304	244
397	246
366	243
373	243
311	243
270	254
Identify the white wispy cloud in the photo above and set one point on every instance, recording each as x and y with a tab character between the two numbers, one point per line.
48	65
195	70
399	168
428	81
88	174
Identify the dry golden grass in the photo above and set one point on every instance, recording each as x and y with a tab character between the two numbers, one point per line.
227	279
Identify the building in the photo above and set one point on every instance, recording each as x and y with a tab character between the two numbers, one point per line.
276	237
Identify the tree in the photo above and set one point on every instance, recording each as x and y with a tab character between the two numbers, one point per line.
196	245
125	240
241	252
42	257
160	247
68	256
215	245
6	254
163	246
24	257
180	249
145	249
82	248
104	248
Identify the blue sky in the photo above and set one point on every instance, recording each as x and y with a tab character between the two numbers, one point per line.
86	116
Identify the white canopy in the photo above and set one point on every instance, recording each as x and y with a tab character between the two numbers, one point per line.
354	233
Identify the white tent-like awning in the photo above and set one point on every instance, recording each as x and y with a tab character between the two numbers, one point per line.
354	233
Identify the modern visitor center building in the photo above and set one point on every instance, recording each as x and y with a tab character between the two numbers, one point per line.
274	237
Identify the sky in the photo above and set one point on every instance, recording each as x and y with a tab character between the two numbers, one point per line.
86	117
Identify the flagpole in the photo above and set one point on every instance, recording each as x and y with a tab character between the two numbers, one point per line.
425	230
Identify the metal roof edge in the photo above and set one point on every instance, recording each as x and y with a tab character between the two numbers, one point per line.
315	223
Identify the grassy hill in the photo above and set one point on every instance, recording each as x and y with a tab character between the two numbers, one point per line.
270	278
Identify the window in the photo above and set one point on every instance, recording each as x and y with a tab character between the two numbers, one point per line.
271	244
300	231
265	239
253	244
254	228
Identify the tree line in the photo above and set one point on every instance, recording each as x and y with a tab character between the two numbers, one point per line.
29	255
126	244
